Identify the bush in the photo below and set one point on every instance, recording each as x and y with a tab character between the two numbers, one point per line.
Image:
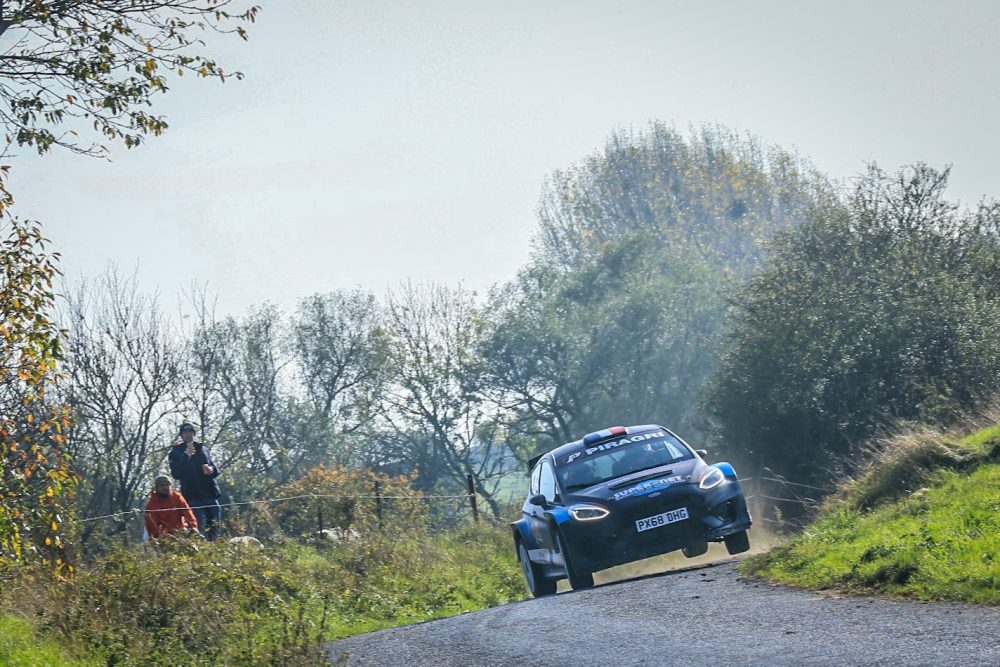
876	312
346	499
188	598
217	603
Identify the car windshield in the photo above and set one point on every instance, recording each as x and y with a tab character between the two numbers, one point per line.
617	458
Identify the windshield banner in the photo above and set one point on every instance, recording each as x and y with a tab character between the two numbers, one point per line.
613	444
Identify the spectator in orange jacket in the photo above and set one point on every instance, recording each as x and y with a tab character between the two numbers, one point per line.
167	511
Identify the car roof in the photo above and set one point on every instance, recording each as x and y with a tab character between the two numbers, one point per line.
578	445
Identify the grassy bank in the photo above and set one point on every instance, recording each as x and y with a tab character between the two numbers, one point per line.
922	520
196	603
23	644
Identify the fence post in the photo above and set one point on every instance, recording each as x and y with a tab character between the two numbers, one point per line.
378	503
472	497
319	516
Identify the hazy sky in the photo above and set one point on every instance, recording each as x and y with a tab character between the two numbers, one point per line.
377	141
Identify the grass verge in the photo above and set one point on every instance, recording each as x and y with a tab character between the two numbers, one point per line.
198	603
921	521
21	645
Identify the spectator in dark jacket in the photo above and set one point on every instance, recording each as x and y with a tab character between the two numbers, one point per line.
191	463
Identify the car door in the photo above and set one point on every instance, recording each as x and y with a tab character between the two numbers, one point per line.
540	524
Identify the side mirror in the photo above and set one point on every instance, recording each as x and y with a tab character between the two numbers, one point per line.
539	499
703	453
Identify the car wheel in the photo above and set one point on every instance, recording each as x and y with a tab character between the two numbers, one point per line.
577	580
695	549
538	585
737	543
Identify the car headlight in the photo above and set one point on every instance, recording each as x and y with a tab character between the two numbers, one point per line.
712	479
588	512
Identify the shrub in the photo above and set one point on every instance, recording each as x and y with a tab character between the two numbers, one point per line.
215	603
345	498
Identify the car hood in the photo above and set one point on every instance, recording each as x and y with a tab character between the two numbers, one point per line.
641	483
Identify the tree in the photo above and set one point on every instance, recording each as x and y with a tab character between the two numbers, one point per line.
628	338
261	443
434	407
123	365
35	479
875	311
205	352
618	319
340	348
715	193
75	66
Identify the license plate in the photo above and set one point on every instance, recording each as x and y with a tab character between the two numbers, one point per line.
650	522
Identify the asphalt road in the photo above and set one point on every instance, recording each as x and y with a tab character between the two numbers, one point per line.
706	615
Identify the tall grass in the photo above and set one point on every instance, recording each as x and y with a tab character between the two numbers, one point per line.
198	603
920	517
903	459
22	645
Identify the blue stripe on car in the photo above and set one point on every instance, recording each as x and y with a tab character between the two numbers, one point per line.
561	515
726	469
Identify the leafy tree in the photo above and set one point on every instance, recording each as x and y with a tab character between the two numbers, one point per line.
629	338
340	347
270	437
880	310
714	193
74	66
618	318
35	478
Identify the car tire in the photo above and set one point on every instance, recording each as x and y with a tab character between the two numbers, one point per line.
737	543
695	549
577	580
538	585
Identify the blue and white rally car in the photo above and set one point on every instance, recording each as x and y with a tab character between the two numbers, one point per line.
619	495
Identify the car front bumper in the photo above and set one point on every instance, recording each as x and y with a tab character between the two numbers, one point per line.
614	540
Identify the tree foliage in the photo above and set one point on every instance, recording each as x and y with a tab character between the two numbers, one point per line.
715	193
881	310
35	479
629	338
69	67
619	316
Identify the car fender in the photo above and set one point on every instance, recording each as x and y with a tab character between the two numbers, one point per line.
726	468
521	529
559	515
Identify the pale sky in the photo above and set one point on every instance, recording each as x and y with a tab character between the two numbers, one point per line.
373	142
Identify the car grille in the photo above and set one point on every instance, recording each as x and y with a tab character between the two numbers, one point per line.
619	535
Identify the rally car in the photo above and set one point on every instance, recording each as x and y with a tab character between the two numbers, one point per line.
619	495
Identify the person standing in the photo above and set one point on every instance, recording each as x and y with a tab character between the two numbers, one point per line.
166	510
191	463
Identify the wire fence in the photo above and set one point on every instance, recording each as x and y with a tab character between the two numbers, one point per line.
268	501
782	504
322	515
